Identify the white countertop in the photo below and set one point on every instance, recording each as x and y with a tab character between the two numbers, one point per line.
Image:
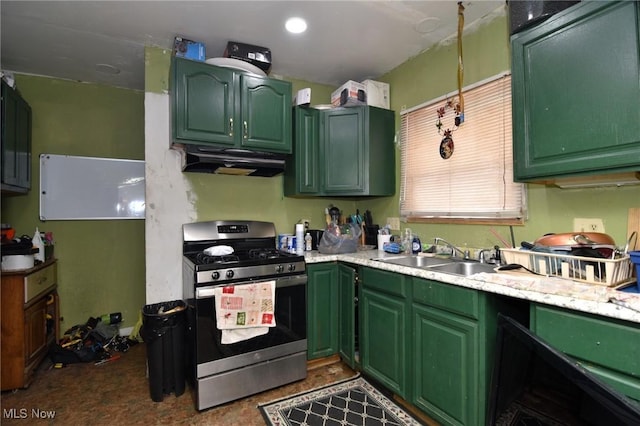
593	299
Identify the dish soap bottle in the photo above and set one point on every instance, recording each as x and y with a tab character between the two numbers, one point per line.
416	245
39	244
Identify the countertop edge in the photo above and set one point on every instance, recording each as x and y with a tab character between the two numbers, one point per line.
596	307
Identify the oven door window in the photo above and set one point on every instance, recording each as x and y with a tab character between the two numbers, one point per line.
291	324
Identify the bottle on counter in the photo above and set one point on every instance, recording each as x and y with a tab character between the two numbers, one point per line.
39	244
416	245
308	242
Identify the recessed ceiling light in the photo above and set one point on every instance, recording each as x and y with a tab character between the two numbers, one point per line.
107	69
427	25
296	25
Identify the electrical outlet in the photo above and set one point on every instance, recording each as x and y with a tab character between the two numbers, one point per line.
588	225
394	223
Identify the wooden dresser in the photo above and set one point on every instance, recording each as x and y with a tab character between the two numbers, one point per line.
30	321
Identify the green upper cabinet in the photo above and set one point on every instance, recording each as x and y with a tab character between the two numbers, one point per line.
302	173
576	93
342	152
221	107
16	142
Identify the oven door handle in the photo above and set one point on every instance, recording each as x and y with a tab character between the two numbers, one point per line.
288	281
205	292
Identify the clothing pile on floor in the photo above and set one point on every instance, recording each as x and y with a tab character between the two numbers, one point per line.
95	341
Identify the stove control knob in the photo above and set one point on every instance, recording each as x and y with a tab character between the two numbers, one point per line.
215	275
229	273
280	268
291	267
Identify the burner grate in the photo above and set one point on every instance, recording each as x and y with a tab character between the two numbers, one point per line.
205	259
264	254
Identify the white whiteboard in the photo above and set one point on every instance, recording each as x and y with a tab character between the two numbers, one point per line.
90	188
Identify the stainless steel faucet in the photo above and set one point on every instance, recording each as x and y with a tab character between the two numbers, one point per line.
465	254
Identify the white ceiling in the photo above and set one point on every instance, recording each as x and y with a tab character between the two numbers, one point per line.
346	40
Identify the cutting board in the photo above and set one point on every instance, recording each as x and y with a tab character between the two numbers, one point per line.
633	224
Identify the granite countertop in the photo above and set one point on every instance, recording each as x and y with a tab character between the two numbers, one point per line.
593	299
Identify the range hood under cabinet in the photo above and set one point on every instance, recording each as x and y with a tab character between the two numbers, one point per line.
229	121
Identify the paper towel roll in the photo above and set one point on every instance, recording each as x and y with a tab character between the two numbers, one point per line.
300	238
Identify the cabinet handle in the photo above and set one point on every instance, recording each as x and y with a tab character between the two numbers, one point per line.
231	126
245	130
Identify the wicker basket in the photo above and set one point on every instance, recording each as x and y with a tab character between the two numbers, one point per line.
606	272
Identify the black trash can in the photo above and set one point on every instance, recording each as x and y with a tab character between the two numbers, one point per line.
163	330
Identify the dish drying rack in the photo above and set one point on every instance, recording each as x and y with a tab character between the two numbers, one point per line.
591	270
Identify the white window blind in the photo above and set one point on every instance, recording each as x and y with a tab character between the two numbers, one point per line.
476	182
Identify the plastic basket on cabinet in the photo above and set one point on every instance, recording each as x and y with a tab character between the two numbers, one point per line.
592	270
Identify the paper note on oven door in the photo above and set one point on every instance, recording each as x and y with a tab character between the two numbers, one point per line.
245	311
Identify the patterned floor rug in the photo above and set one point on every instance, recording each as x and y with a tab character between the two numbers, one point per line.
350	402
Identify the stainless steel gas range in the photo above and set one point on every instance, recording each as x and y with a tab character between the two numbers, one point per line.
219	257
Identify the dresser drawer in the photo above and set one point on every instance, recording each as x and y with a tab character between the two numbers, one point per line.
39	282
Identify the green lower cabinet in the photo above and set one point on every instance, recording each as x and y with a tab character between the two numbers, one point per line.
454	331
445	365
384	337
322	310
608	348
346	314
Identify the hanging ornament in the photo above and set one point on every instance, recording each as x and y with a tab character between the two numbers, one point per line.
446	146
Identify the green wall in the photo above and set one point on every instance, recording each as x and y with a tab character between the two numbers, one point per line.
100	263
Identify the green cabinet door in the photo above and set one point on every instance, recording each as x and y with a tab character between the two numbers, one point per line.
16	142
342	152
385	325
454	331
347	315
301	175
576	93
322	310
446	363
220	107
266	114
204	104
357	151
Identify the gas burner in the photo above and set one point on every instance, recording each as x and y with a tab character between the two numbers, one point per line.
262	254
204	259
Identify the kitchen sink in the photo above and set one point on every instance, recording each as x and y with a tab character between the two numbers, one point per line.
439	264
463	268
416	261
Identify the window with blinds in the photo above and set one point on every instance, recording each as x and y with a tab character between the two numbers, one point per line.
476	181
